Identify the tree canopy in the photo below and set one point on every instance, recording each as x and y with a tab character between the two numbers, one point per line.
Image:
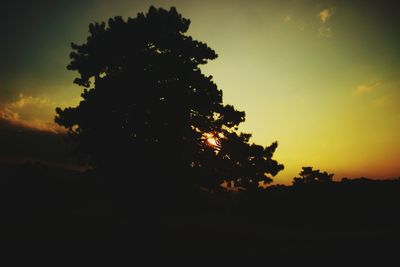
310	176
148	110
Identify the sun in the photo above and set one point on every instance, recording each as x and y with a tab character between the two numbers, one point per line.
213	140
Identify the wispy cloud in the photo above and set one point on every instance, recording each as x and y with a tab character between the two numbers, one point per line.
381	101
31	112
325	31
325	14
24	101
294	22
287	19
365	88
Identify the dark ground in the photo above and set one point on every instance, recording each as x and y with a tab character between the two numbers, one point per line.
340	224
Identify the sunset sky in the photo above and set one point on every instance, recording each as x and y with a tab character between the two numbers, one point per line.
320	77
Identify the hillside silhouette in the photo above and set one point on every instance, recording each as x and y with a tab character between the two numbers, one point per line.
157	143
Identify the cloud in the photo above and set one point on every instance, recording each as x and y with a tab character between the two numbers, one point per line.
325	31
31	112
287	19
365	88
325	14
381	101
294	22
24	101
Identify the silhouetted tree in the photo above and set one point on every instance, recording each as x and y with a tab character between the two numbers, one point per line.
148	111
310	176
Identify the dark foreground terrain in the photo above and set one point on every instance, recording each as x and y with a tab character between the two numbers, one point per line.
346	223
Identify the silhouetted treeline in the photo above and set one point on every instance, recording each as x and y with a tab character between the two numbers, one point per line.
354	204
358	216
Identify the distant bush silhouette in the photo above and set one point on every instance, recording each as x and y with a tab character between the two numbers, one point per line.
149	118
310	176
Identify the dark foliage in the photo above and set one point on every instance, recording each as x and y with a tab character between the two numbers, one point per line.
310	176
147	110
